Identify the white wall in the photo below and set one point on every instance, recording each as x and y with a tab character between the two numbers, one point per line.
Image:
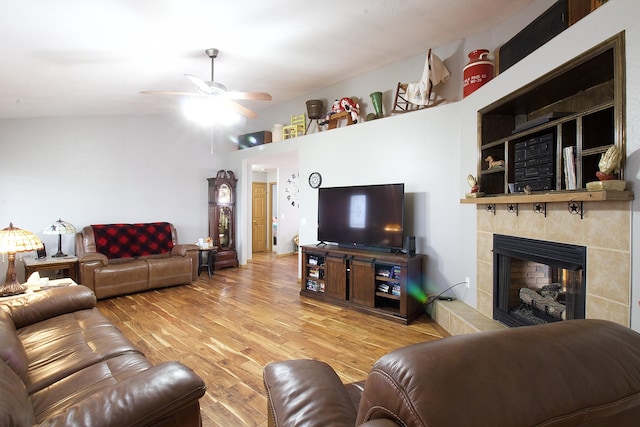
288	208
417	149
103	170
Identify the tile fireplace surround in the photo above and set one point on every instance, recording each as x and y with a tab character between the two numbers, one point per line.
605	230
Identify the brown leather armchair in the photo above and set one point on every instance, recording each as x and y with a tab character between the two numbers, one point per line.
575	372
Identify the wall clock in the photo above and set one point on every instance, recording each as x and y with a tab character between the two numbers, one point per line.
292	189
315	179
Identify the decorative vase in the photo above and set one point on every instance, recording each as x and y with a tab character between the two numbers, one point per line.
376	100
477	72
276	132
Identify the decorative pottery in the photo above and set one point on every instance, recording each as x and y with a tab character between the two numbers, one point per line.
276	132
376	100
477	72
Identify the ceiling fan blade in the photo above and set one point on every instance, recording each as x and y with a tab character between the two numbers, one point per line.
234	105
201	84
241	109
164	92
253	96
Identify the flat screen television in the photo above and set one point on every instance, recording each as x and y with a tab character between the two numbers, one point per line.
366	216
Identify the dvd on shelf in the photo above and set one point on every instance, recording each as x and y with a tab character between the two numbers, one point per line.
314	286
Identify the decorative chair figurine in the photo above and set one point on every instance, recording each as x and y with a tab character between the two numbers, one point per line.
297	127
418	95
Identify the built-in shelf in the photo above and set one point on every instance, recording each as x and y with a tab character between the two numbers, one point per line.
550	135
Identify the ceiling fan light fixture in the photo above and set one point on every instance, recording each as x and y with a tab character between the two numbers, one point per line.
217	85
215	92
210	111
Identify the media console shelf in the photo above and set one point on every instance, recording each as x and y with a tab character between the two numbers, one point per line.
377	283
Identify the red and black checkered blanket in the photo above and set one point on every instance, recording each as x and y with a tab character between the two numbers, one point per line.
133	240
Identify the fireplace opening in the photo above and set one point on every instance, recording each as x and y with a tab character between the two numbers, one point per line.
537	281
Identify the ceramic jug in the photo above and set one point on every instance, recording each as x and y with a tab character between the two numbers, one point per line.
276	132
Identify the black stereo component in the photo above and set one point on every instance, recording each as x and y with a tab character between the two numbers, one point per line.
409	245
535	163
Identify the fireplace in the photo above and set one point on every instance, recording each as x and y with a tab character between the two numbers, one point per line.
536	281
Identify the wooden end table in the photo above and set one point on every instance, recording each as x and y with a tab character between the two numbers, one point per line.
69	263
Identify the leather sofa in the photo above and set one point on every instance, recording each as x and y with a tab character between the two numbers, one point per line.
63	363
575	372
119	259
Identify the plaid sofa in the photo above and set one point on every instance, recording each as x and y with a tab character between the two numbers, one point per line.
118	259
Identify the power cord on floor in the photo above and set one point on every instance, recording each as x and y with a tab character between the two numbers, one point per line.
431	298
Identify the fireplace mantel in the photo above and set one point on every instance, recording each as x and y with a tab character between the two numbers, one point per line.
551	197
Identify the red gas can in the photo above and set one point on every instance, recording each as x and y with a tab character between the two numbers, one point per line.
478	71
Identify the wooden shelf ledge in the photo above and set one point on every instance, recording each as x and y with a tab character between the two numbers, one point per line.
551	197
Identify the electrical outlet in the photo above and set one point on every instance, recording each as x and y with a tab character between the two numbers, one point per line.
468	282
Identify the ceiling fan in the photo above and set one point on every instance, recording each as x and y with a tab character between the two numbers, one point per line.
218	90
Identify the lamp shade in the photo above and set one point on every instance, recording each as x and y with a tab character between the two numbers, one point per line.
60	227
12	241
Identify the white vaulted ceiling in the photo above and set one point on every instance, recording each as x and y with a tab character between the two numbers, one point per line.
93	57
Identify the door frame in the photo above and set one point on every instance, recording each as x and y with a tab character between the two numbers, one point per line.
271	193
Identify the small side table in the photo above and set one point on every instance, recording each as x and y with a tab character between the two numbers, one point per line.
69	263
206	260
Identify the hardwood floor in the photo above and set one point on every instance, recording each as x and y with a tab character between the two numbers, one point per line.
228	327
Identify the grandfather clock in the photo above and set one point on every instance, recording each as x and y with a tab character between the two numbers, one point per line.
222	218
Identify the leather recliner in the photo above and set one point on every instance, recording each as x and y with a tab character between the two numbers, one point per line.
63	363
568	373
127	268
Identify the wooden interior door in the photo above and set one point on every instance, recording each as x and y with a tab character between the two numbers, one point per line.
259	217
